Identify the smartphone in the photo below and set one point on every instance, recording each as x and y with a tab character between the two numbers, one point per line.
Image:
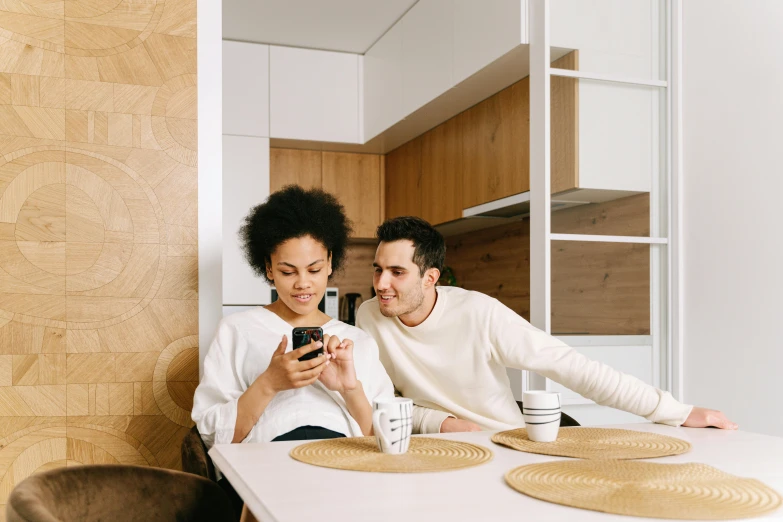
303	335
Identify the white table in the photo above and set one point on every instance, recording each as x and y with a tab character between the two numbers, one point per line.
277	488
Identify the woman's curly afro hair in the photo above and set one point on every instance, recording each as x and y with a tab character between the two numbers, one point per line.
290	213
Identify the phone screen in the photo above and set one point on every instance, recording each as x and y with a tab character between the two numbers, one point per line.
303	335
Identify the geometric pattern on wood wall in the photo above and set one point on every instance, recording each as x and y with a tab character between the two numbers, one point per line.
98	253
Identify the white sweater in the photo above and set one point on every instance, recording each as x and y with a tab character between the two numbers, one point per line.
454	363
241	351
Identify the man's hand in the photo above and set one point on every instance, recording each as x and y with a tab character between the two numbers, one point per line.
704	418
452	425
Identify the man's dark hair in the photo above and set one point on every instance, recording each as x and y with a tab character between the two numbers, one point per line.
429	246
290	213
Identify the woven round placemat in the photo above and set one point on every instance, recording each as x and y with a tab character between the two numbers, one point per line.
362	454
644	489
596	443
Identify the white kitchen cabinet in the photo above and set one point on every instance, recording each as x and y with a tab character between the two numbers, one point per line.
427	53
245	184
314	95
245	89
617	37
619	124
485	31
382	83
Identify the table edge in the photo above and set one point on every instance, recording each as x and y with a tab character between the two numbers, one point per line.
258	508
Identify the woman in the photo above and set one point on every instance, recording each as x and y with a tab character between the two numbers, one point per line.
254	388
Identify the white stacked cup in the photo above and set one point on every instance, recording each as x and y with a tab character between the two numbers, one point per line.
541	411
392	421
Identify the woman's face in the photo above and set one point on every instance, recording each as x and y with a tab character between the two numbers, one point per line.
300	270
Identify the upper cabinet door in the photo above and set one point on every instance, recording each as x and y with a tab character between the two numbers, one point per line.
294	167
485	31
245	185
356	181
427	53
314	95
382	75
245	89
403	180
441	172
495	146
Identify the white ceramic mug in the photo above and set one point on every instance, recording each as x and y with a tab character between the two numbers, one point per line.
541	411
392	420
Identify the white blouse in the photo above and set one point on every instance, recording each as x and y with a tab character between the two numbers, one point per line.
241	351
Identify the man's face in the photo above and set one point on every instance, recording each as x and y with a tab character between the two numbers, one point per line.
397	281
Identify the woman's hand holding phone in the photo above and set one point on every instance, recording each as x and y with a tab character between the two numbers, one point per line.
340	375
286	371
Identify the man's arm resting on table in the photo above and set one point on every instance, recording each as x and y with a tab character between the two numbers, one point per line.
429	420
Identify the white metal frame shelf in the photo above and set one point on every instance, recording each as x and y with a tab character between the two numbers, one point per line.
541	234
606	77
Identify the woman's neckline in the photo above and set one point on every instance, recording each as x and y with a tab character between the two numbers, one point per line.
313	324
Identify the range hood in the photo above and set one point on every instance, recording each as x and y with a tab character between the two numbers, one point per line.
499	212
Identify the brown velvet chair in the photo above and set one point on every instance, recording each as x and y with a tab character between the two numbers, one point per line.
195	459
194	456
117	493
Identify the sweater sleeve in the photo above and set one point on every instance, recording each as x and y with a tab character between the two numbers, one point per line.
215	399
427	420
517	344
377	384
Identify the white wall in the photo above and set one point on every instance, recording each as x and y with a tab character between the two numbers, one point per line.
733	252
210	170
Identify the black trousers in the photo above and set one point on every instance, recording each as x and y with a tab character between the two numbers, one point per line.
300	433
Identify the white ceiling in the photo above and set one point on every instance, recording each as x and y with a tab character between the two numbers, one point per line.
336	25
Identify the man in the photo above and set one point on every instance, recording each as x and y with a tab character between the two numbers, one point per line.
448	348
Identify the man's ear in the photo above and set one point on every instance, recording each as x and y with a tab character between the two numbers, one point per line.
431	277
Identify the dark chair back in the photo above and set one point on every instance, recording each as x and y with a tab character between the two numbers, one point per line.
117	493
565	419
194	456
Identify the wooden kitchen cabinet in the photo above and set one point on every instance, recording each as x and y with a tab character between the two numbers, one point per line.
496	140
495	146
441	173
403	180
294	167
483	154
356	181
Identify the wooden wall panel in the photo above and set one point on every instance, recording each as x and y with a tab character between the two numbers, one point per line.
597	288
98	196
357	272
